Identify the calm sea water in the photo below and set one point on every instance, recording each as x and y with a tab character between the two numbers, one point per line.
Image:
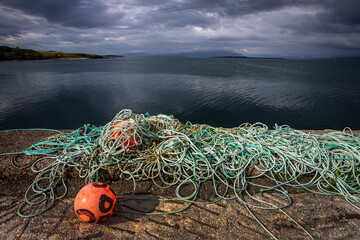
221	92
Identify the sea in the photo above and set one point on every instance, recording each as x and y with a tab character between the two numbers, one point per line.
221	92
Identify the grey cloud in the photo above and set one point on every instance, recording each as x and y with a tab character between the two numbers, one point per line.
205	12
75	13
343	12
336	17
161	26
150	2
315	26
7	28
90	14
12	21
233	7
179	19
208	12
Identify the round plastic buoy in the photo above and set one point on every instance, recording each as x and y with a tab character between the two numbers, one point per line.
125	133
95	202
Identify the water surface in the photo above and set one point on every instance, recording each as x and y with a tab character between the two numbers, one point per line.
221	92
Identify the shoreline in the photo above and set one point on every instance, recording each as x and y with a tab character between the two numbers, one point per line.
44	59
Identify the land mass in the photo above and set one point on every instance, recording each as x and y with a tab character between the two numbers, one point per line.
8	53
247	57
113	56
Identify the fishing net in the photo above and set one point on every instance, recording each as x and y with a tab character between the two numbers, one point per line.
159	148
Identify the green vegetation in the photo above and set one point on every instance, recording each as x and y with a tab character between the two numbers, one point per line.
8	53
55	55
18	53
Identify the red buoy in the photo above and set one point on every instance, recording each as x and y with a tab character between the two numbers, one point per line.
95	202
126	135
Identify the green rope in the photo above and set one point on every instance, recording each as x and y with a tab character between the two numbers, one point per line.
161	149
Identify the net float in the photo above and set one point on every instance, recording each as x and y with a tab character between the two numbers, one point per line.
95	202
125	133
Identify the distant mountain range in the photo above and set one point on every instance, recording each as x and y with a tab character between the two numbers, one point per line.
340	58
113	56
196	54
8	53
230	54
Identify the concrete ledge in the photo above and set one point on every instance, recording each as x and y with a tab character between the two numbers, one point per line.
325	217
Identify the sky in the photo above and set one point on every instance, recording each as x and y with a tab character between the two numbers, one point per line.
283	28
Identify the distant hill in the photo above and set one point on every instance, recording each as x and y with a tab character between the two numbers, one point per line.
8	53
195	54
113	56
136	54
199	54
341	58
230	57
215	53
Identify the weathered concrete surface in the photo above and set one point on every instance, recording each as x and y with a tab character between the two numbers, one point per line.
325	217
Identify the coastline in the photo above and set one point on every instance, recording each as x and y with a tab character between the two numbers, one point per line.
8	53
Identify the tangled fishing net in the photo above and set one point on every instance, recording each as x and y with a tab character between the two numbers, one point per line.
160	148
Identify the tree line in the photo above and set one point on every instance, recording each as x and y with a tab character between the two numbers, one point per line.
9	53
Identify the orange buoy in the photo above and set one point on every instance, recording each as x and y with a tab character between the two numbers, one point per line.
95	202
126	133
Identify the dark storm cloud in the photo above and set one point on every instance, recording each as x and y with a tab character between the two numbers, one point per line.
179	19
335	17
204	12
343	12
75	13
9	28
226	7
318	27
89	14
12	21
